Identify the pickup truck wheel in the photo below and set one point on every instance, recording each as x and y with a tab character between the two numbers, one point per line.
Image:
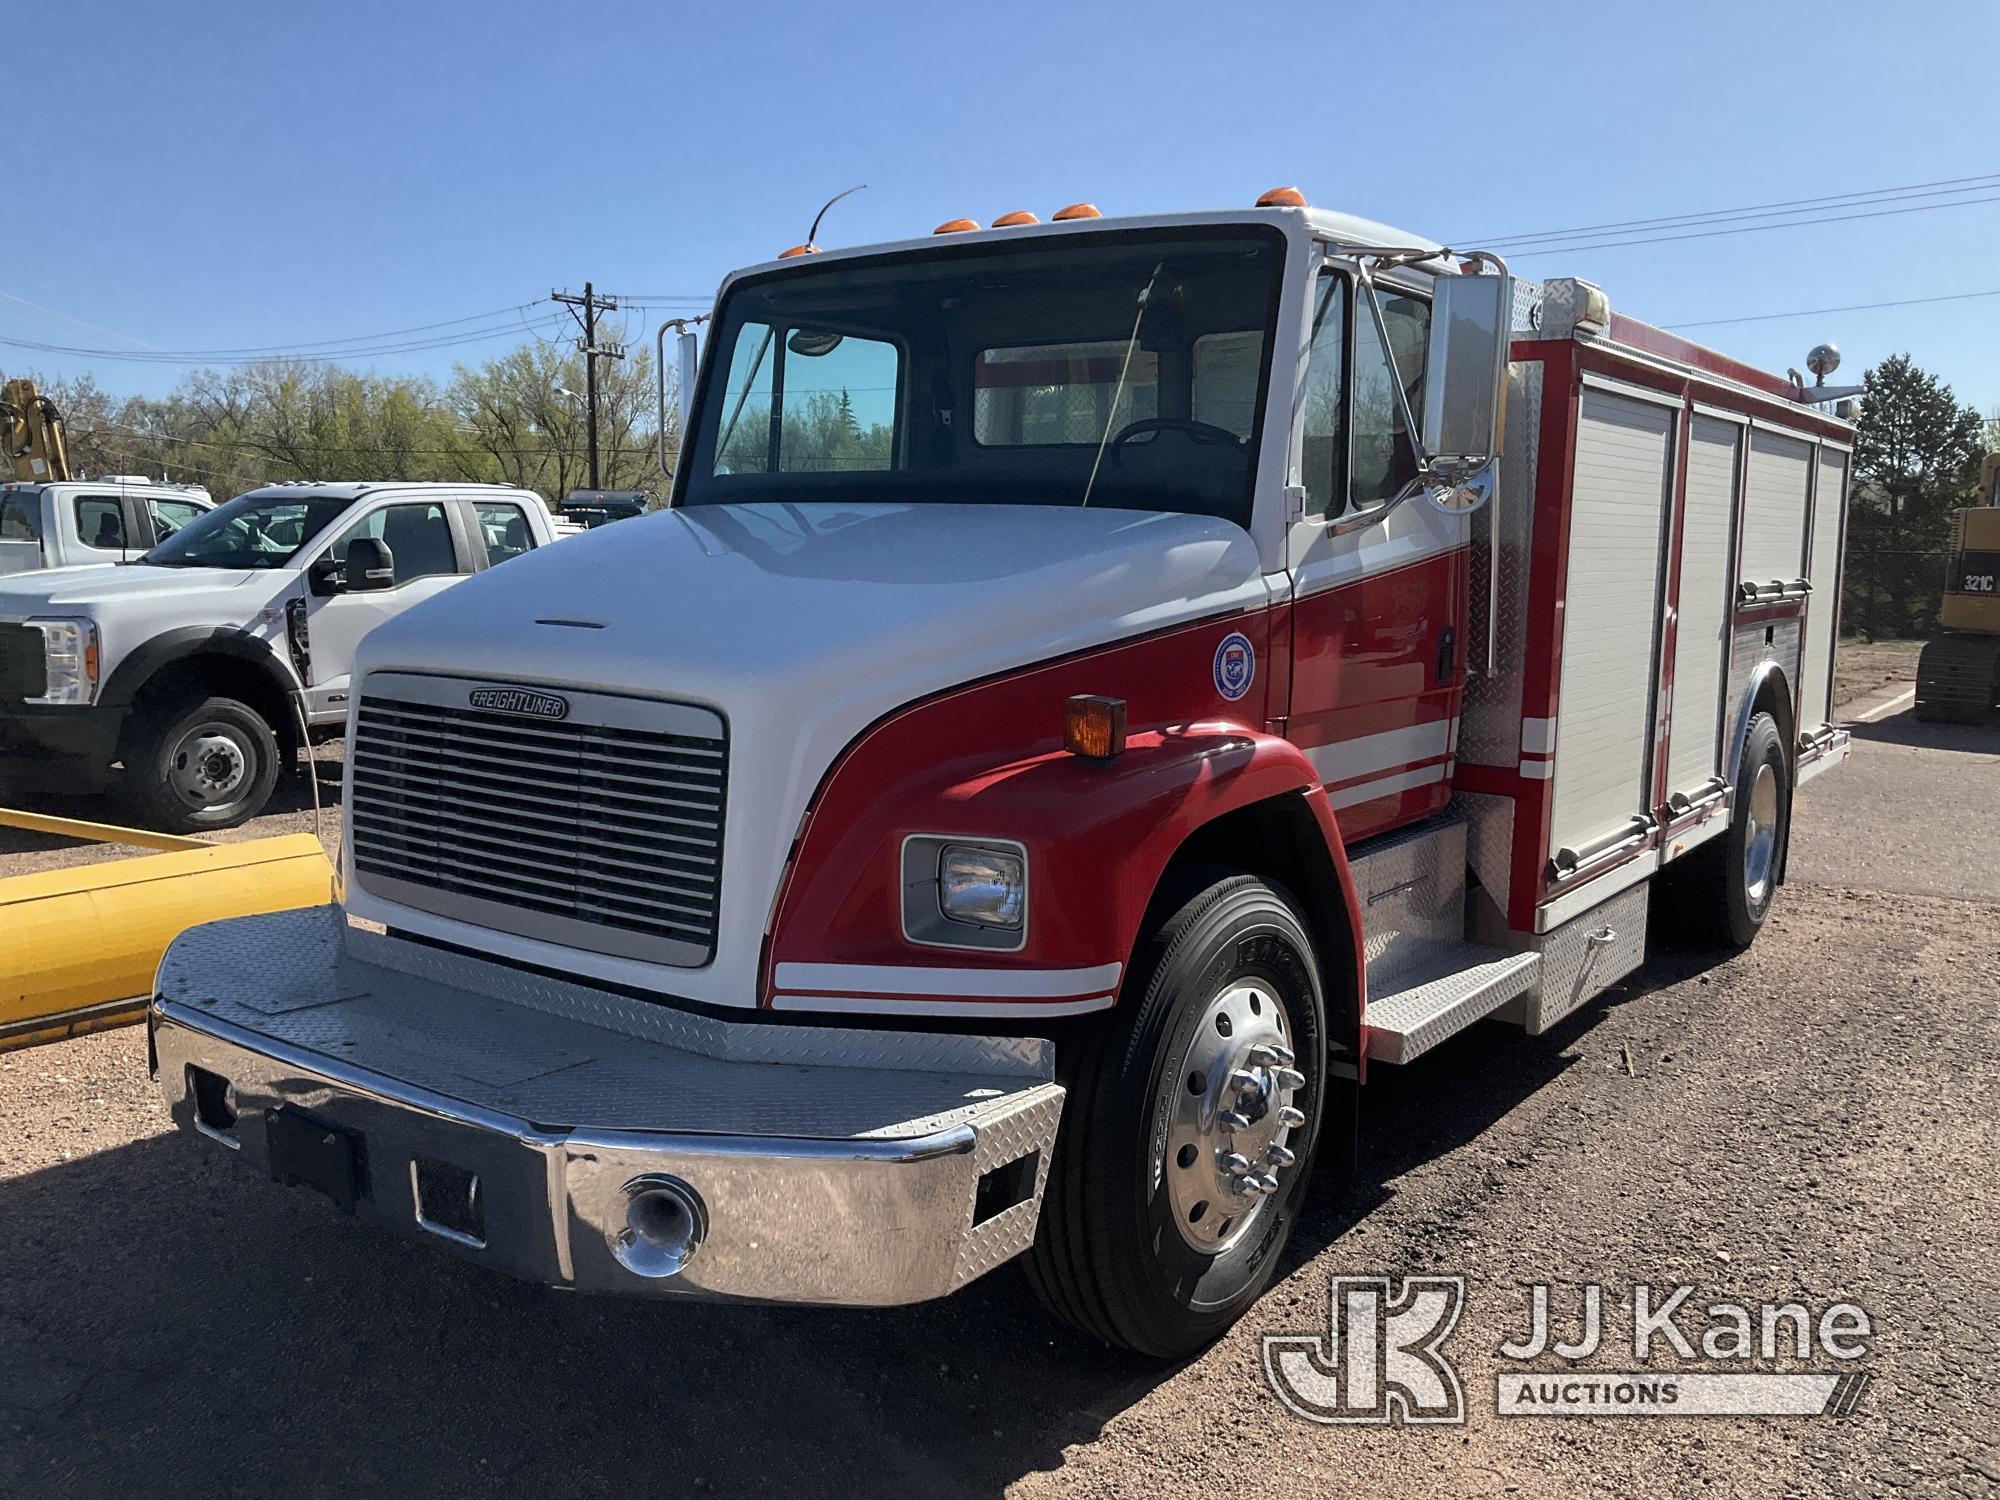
1192	1119
1724	893
195	767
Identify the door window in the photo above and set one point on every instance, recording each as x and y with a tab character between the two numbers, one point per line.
503	530
1323	459
1384	455
100	521
418	538
170	516
21	516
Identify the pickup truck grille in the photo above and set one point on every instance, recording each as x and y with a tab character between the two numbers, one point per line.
602	831
23	667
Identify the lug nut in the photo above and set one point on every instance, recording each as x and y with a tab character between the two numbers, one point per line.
1291	1117
1279	1158
1235	1121
1289	1078
1272	1054
1234	1163
1262	1184
1243	1081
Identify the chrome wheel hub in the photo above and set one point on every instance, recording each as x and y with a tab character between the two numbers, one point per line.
208	767
1760	847
1230	1116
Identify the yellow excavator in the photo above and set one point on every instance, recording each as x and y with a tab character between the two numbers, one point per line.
78	947
32	430
1958	676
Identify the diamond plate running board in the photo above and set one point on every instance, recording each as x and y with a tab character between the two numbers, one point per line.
1438	995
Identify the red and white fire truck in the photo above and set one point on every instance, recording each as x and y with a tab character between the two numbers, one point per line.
1100	688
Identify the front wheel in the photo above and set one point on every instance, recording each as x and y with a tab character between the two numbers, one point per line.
196	767
1188	1139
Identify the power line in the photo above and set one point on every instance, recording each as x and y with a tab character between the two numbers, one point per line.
1814	312
1960	184
1710	234
515	310
472	336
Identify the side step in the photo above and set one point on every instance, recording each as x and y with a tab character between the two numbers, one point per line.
1438	992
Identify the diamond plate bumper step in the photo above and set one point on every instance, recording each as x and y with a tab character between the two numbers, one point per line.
586	1139
1439	992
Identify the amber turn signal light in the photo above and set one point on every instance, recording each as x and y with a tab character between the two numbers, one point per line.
956	226
1284	197
1094	727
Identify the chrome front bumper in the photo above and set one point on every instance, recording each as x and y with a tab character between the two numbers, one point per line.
517	1120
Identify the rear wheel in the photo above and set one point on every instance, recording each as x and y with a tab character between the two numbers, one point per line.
1722	893
1191	1124
1958	679
196	766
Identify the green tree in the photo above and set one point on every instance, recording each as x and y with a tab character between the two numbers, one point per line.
1916	457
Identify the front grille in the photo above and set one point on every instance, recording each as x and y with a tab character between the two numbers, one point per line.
23	664
605	836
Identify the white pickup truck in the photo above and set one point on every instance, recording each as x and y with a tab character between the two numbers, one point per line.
77	522
205	663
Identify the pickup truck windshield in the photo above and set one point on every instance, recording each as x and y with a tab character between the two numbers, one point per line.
251	531
1111	368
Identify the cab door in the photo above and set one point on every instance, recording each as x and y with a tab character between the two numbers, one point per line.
429	555
1378	611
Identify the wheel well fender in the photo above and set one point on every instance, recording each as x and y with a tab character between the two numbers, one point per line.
213	662
1770	692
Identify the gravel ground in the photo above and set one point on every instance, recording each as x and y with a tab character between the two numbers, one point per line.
1813	1120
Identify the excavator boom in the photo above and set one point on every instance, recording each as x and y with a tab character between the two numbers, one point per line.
32	429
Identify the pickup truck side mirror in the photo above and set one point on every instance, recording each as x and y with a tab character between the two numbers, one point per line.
323	575
370	566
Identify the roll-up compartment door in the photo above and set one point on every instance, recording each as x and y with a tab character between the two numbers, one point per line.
1823	607
1611	617
1774	509
1701	640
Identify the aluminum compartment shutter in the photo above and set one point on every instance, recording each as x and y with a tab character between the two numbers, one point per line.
1774	509
1823	608
1624	468
1701	643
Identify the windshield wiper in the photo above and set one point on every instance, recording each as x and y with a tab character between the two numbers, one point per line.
1118	394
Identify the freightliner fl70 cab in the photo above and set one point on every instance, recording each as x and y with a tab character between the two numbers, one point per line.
1100	689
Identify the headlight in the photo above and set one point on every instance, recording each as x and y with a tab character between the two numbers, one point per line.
986	887
69	659
965	892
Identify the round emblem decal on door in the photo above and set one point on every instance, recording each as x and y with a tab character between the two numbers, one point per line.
1235	666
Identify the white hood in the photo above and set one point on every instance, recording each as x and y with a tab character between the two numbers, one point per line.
80	589
802	625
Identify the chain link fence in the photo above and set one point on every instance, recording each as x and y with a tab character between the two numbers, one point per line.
1893	593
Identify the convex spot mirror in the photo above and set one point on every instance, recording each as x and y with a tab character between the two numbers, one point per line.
1466	376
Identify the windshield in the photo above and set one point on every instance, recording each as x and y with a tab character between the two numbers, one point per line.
1113	369
251	531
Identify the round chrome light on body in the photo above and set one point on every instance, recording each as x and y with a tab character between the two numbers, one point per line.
665	1222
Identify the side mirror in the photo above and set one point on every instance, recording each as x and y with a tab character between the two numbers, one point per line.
684	351
323	575
370	567
1465	388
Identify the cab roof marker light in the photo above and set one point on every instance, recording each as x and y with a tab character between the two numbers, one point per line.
1282	197
1075	211
798	250
956	226
1018	217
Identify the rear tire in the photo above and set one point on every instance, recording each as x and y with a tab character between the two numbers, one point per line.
196	766
1185	1149
1722	893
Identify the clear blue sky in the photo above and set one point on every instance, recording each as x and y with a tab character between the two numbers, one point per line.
234	174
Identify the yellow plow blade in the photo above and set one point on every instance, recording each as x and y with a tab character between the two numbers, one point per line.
79	947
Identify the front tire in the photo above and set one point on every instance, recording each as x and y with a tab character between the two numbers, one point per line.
1192	1120
195	767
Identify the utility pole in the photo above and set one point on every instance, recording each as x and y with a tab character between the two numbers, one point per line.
592	305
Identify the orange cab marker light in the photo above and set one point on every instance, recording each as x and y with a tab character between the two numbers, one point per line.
1076	211
1094	727
956	226
797	250
1283	197
1018	216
